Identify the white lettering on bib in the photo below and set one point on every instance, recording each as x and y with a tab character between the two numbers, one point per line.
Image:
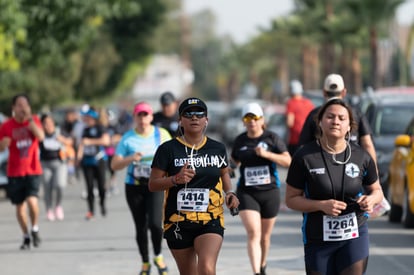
142	170
193	199
257	175
340	228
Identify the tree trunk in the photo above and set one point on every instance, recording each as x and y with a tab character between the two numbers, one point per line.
307	67
328	59
374	55
345	69
316	69
283	69
232	87
310	68
356	70
328	48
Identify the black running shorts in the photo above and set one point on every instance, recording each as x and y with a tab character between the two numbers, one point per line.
19	188
267	202
334	257
188	231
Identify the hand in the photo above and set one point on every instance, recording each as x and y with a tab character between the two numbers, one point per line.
85	141
6	142
231	200
260	151
366	203
78	162
185	175
27	113
136	157
333	207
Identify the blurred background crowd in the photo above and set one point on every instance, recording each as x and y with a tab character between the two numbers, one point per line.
110	54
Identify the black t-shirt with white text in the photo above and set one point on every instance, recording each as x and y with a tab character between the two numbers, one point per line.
314	171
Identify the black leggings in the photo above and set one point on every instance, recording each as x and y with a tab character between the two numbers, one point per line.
91	173
146	209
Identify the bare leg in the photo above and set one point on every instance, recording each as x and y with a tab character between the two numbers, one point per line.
252	223
186	260
32	201
22	217
267	228
207	247
357	268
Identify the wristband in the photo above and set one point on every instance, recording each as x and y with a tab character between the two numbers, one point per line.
231	192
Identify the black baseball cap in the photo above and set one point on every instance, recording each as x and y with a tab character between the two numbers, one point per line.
190	103
167	98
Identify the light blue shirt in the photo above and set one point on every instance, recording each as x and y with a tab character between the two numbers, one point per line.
132	142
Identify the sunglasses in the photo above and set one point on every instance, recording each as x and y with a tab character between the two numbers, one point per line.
198	114
250	118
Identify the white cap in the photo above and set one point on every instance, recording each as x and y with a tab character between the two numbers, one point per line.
334	83
296	87
252	108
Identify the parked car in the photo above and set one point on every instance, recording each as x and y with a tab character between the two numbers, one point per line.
233	124
276	121
388	117
316	96
401	184
217	111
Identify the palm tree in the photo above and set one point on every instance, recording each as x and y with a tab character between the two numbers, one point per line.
374	14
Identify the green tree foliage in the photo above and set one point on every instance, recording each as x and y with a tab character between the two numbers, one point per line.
12	31
59	50
131	35
375	15
194	38
319	37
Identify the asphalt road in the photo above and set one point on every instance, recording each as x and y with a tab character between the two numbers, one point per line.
107	246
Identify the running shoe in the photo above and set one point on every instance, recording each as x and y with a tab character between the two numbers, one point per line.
89	216
59	213
50	215
36	238
103	210
160	264
146	269
26	244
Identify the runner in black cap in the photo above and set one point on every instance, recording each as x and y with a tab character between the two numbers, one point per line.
192	169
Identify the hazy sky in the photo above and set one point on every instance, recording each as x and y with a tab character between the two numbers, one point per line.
240	19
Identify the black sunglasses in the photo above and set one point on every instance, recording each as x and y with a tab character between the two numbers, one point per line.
198	114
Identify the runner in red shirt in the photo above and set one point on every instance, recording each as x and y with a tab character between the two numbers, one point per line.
21	135
297	109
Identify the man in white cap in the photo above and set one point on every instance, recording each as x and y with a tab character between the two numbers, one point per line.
334	87
297	109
